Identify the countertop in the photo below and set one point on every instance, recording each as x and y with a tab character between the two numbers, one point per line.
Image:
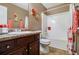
15	35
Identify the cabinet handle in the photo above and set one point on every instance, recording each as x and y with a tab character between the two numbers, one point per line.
30	48
26	50
8	46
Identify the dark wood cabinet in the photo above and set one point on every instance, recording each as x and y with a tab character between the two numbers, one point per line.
34	48
25	45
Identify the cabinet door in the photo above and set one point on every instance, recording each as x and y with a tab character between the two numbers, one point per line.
34	48
6	46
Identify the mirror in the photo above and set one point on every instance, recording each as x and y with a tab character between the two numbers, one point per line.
3	15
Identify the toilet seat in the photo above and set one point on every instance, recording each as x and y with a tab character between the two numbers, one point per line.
44	41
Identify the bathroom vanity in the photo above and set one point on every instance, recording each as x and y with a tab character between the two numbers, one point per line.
20	44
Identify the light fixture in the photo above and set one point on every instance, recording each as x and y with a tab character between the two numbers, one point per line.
33	12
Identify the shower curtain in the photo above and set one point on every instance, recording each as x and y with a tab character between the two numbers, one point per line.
72	38
75	26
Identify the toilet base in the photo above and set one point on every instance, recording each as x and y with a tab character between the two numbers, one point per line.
44	48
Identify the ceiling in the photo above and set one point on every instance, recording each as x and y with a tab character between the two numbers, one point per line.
46	5
22	5
49	5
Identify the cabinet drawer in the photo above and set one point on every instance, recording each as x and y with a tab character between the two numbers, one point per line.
7	45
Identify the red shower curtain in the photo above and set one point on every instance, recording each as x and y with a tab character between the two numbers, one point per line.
75	26
72	33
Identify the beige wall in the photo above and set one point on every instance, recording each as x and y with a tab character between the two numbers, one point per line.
21	13
35	22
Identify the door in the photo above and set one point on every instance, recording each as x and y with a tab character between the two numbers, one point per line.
34	48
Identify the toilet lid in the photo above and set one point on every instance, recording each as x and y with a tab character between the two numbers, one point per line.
44	41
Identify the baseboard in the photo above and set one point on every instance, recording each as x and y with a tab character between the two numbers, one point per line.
55	51
60	44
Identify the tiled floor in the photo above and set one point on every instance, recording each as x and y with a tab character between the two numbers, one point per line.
55	51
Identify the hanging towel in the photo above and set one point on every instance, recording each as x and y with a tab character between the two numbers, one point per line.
21	24
75	21
10	23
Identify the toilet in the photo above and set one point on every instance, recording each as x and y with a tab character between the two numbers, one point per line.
44	45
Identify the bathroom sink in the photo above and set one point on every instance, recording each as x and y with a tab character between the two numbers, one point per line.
18	33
